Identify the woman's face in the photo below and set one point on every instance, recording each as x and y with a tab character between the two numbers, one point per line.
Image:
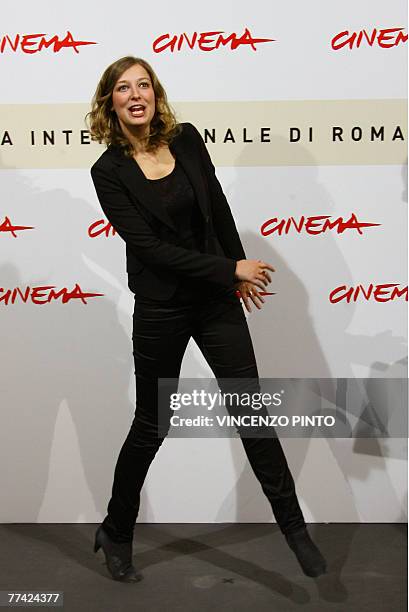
133	100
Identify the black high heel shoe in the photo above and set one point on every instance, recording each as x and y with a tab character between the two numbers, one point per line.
118	556
309	557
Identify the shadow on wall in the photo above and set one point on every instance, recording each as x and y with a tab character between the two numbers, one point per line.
287	344
69	365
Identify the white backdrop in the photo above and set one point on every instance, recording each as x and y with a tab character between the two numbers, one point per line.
67	384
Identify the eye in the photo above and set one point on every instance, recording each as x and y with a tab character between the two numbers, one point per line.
144	84
121	87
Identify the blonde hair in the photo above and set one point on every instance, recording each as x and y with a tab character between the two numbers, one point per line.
103	123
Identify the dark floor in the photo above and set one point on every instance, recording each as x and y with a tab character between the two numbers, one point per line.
201	567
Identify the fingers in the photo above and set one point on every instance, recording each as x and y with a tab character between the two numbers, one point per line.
264	269
266	266
263	273
254	271
261	277
257	299
259	284
246	302
253	291
251	294
245	293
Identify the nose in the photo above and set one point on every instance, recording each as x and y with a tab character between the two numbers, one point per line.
135	92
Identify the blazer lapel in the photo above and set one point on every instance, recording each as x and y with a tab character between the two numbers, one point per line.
191	165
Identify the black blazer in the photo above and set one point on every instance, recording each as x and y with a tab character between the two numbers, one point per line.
156	259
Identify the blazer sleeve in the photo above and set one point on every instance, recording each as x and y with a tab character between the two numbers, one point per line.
223	221
152	251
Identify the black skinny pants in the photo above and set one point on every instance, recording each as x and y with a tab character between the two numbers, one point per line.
161	332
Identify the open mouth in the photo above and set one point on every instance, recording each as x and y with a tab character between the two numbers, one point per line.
136	110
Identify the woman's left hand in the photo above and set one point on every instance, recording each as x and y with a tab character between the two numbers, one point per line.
248	292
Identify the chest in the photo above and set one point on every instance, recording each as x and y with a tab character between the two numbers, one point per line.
157	164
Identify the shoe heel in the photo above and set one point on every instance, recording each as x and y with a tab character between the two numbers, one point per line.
97	545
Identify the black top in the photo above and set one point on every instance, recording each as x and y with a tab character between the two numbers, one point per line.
178	196
176	193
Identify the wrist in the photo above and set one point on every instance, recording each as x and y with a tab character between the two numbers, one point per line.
236	271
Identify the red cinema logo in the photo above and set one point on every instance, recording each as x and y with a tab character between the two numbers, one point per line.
206	41
101	227
44	295
33	43
384	38
385	292
318	224
7	226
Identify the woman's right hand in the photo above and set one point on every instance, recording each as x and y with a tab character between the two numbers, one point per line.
254	271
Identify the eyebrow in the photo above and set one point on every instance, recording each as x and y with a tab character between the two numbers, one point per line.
140	79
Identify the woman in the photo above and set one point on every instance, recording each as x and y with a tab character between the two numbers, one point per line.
157	186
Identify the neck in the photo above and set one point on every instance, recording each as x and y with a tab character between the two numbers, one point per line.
136	136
